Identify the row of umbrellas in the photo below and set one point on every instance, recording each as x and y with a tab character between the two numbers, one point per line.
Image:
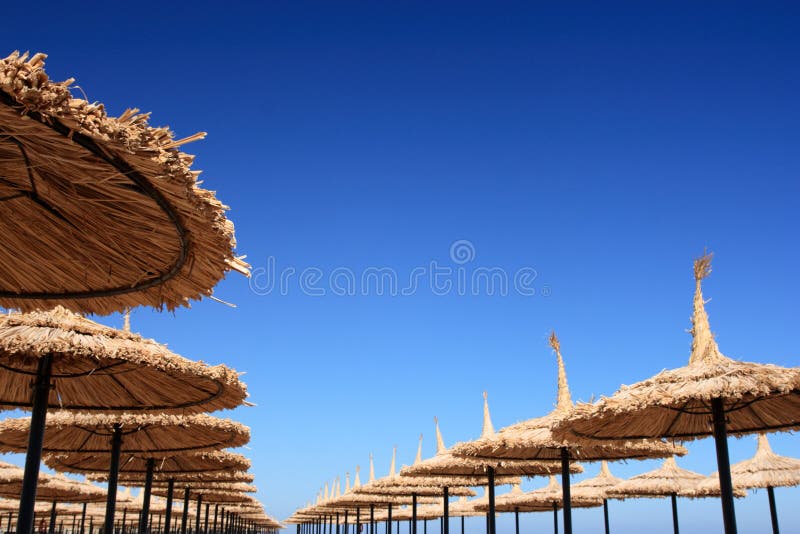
101	214
712	396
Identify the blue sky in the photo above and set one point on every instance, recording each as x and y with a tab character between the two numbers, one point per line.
598	149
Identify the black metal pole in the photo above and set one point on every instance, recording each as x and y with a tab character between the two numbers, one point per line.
185	514
413	513
113	477
83	518
723	465
462	524
337	522
214	527
358	520
51	528
371	519
158	528
773	510
8	528
446	514
674	498
565	488
555	517
33	456
389	520
148	488
516	519
74	520
205	522
491	525
605	515
168	512
198	513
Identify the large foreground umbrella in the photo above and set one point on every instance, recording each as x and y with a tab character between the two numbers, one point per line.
534	440
764	470
97	368
713	395
99	441
99	213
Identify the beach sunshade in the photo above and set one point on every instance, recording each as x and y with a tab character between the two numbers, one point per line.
597	487
52	487
208	466
98	368
534	440
764	470
712	395
99	213
101	441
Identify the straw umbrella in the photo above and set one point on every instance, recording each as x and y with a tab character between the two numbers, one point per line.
92	366
551	497
712	395
598	487
459	469
764	470
669	480
534	440
73	437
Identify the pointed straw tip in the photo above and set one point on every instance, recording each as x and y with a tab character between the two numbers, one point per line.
554	341
702	266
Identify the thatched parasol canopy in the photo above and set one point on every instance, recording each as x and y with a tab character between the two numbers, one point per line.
598	486
104	369
51	487
677	403
99	213
669	479
220	466
540	500
84	439
468	471
534	440
214	496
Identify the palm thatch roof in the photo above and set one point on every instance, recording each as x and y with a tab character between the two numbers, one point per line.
99	368
534	440
464	507
669	479
220	466
540	500
472	471
238	494
676	403
764	470
115	197
596	487
50	487
84	440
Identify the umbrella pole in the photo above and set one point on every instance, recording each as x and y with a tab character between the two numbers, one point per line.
462	524
723	465
168	513
205	522
413	514
446	516
371	519
773	510
565	488
33	456
491	525
158	528
124	519
214	527
389	521
197	514
148	488
185	514
74	519
113	477
83	517
337	522
516	519
674	498
555	517
358	520
51	528
91	524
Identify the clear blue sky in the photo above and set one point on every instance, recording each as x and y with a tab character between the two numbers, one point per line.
601	146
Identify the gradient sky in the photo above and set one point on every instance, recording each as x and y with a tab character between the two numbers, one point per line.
601	147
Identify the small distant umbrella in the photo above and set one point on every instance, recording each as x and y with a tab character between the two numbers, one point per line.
598	487
764	470
534	440
669	480
97	441
208	466
551	497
